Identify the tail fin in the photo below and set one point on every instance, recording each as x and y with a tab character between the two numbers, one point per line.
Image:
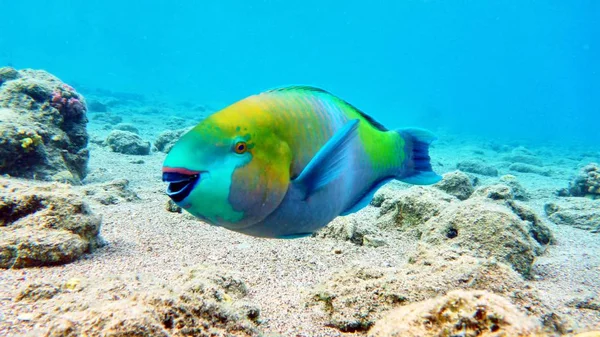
418	169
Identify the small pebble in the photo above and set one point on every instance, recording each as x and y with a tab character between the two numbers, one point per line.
25	317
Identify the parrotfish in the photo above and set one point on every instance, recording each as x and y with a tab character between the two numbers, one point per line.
284	163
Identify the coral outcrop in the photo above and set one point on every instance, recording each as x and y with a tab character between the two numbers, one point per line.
127	143
110	193
199	302
44	225
354	299
457	184
518	191
42	127
528	168
486	242
486	230
585	184
477	167
580	213
408	209
490	224
459	313
165	141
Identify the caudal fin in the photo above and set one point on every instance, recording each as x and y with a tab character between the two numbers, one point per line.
418	169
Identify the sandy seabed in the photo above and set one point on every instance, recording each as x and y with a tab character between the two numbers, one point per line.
145	240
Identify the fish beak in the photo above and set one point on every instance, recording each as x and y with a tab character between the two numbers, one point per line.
181	182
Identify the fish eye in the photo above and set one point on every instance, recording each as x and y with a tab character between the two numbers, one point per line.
240	147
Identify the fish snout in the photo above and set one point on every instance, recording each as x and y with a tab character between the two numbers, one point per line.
181	182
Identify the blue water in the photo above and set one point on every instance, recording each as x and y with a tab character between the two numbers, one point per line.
503	70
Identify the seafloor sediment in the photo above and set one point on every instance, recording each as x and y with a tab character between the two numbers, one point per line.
504	230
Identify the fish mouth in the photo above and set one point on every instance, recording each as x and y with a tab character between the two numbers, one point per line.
181	182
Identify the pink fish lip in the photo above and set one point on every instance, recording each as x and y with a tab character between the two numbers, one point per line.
181	182
180	170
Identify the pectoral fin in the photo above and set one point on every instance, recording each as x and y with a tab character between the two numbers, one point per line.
328	163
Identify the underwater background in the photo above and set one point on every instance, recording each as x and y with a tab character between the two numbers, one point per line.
96	95
507	70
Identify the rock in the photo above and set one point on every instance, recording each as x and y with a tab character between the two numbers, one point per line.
457	184
524	159
484	229
576	212
459	313
587	183
167	139
44	225
8	74
477	167
37	291
590	303
407	209
127	143
537	229
494	192
42	126
348	229
200	302
127	127
527	168
354	299
97	106
172	207
111	193
108	118
518	191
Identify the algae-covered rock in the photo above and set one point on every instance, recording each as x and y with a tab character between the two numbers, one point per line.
484	229
528	168
44	225
42	126
199	302
127	127
112	192
494	192
127	143
354	299
537	228
348	229
576	212
457	184
108	118
587	183
478	167
459	313
523	158
518	191
165	141
407	209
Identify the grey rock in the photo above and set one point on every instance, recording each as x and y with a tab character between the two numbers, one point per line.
44	225
576	212
457	184
495	192
477	167
127	127
527	168
165	141
127	143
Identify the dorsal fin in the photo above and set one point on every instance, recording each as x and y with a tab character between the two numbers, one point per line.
308	88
